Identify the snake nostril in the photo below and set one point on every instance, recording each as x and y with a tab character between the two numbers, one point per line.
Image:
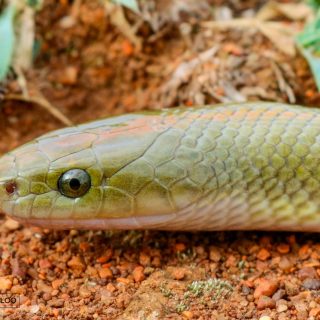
10	187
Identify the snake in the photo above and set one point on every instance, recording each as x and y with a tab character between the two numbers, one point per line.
235	166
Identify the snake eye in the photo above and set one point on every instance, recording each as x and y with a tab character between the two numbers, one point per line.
10	187
74	183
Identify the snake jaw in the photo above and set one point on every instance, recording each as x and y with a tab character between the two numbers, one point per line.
8	185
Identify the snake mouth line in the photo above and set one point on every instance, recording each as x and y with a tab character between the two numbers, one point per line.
98	223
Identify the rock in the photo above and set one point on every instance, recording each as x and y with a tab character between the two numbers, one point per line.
283	248
302	310
180	247
18	289
214	254
111	288
76	264
178	273
311	284
281	305
231	261
304	252
57	303
47	296
144	259
11	224
291	288
34	308
105	273
314	312
18	268
307	272
266	287
68	76
84	292
5	283
285	264
263	254
278	294
105	296
57	283
138	274
265	318
187	314
106	257
265	302
42	286
44	264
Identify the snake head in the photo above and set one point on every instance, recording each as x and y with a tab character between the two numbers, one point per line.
52	178
94	176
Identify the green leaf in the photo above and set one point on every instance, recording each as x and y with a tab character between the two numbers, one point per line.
308	42
130	4
7	40
314	3
314	62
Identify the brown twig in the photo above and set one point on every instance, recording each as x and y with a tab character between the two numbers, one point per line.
42	102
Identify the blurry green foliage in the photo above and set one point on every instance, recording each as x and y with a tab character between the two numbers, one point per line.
308	42
130	4
7	40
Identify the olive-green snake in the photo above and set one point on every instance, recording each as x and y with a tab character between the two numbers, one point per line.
236	166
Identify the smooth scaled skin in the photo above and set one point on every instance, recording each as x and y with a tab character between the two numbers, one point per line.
236	166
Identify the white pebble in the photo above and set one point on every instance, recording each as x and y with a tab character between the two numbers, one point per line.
265	318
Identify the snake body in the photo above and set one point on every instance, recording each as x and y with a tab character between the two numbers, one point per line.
225	167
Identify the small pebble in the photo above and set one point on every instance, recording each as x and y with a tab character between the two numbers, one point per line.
265	318
44	264
283	248
278	294
47	296
11	224
307	272
285	264
34	308
18	267
57	283
179	247
105	273
106	257
5	283
178	273
187	314
304	252
123	280
265	302
314	312
291	288
84	292
76	264
263	254
214	254
265	287
311	284
111	288
138	274
144	259
281	307
57	303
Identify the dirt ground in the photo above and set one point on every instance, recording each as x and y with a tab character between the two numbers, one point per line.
87	68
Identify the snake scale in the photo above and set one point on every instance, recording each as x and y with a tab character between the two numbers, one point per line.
225	167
